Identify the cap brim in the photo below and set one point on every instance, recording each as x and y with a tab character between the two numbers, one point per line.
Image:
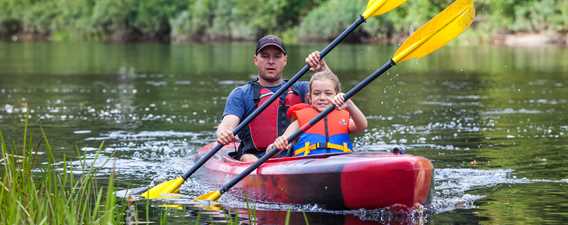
270	44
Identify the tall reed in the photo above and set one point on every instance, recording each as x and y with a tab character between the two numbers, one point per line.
34	191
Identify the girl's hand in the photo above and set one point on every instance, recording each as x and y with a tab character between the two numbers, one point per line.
340	103
315	62
281	143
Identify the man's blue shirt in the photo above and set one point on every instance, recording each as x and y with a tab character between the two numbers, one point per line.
241	100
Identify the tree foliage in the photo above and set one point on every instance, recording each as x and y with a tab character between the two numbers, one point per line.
248	19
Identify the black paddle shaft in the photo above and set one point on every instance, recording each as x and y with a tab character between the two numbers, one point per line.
273	151
276	95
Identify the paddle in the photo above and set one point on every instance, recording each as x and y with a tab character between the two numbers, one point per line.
374	8
431	36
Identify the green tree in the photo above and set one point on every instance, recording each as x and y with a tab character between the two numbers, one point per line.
329	19
248	19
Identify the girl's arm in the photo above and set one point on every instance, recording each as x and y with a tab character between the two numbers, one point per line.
282	141
358	121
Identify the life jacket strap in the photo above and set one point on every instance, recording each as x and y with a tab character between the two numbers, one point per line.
265	95
308	148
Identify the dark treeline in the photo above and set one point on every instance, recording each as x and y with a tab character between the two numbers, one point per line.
295	20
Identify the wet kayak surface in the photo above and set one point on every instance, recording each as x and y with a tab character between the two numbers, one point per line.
359	180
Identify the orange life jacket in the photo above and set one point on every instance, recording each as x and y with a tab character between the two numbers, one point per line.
329	135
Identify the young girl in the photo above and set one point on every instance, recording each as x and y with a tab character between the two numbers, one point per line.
331	134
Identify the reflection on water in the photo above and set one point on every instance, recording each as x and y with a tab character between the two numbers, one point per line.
183	210
494	121
141	212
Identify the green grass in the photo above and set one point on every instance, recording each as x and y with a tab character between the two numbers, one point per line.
36	192
37	189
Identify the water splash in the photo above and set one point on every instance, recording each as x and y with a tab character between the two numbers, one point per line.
145	135
451	186
512	111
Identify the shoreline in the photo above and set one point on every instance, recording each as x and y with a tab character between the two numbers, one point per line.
511	40
530	39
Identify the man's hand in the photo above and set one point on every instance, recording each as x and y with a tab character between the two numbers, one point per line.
225	136
315	62
225	130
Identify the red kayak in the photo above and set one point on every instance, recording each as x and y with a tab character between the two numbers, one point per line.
356	180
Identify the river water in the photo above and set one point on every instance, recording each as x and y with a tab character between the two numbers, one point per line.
493	120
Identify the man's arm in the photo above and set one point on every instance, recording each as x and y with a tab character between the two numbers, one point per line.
234	110
225	129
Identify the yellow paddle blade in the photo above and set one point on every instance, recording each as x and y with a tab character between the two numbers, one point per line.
437	32
167	187
211	196
380	7
172	206
208	205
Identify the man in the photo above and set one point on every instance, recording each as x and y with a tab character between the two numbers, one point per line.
270	58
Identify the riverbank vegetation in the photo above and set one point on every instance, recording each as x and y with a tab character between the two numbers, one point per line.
34	191
296	20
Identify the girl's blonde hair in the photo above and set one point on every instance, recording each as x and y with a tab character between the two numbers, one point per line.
325	75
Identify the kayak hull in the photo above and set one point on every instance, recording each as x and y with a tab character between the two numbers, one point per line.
367	180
